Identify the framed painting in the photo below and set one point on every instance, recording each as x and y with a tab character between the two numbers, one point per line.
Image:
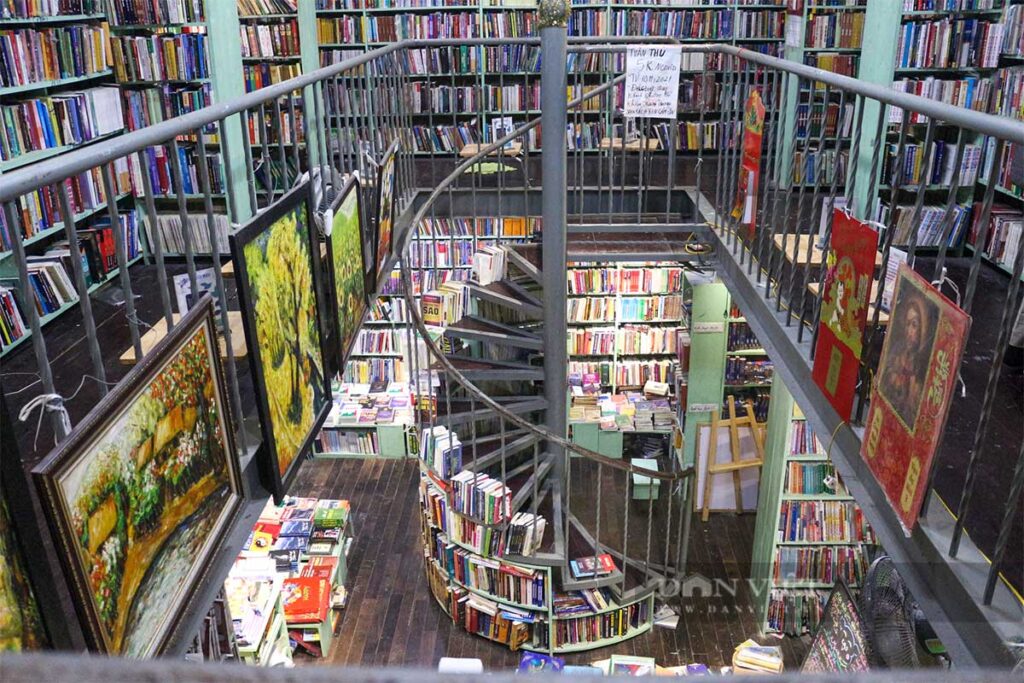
840	644
386	179
142	492
912	391
277	289
346	284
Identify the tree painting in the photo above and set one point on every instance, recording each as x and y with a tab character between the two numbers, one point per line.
346	255
280	275
21	627
153	471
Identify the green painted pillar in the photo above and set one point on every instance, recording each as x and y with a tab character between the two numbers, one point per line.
310	48
877	64
791	97
706	382
225	55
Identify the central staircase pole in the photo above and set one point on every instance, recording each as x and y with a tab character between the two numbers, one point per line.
553	20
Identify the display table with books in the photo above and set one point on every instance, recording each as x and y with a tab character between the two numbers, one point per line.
286	589
599	421
367	420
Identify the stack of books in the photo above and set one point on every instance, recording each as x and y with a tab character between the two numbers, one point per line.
588	566
441	451
480	496
749	657
524	535
489	265
329	520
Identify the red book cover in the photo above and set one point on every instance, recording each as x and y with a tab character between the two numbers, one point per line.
745	208
305	599
844	308
911	394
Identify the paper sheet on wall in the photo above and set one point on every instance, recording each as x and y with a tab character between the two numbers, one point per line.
723	496
896	257
652	81
793	26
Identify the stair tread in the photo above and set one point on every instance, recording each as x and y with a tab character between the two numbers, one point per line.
507	289
475	324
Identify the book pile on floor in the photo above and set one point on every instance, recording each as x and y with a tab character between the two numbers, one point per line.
286	589
749	657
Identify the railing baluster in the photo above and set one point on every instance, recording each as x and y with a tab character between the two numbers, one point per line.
947	225
183	215
245	120
922	184
1009	516
121	253
986	213
784	163
157	246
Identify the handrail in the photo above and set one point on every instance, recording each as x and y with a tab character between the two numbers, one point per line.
57	169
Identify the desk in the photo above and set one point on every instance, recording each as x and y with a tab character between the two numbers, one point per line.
883	317
796	250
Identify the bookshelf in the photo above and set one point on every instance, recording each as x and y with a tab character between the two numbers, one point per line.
366	422
480	571
824	536
624	322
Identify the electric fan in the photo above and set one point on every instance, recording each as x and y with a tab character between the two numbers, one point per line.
888	611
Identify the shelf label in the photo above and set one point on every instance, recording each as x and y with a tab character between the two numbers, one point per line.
702	407
652	81
707	328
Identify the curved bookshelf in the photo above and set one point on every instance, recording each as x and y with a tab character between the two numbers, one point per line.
496	597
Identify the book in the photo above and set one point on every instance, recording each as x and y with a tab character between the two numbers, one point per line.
305	599
749	656
591	566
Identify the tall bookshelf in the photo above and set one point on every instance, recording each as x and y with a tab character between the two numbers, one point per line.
57	96
506	598
795	560
620	328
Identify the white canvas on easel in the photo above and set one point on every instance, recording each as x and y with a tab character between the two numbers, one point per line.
723	497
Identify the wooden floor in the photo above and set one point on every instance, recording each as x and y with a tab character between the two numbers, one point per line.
392	619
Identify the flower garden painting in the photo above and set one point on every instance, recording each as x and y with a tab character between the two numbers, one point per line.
21	627
347	263
279	301
144	491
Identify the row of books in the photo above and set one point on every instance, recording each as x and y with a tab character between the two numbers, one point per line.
643	339
594	628
147	106
591	309
1013	31
949	5
472	98
626	280
972	92
39	55
591	342
742	338
843	64
147	12
1005	176
50	122
37	9
503	227
174	239
795	612
828	521
40	210
261	75
809	478
149	59
270	40
692	136
835	29
1003	238
746	371
480	496
710	24
500	579
389	310
467	59
629	373
12	323
651	308
337	441
820	166
522	536
803	440
932	225
252	8
441	254
367	370
486	618
825	564
158	163
626	411
441	451
581	602
949	43
447	304
811	117
379	341
935	166
758	398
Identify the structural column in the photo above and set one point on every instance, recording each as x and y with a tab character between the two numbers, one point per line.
554	18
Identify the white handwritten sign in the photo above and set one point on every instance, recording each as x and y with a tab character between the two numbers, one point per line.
652	81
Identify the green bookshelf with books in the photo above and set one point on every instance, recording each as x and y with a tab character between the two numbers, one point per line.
809	531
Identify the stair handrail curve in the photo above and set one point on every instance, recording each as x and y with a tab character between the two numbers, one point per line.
436	353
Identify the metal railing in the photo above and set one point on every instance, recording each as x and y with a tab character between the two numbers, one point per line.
348	114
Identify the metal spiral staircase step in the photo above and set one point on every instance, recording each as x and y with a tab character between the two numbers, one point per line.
496	453
508	295
476	370
475	328
519	405
526	258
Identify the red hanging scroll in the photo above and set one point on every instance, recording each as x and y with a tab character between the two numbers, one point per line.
745	208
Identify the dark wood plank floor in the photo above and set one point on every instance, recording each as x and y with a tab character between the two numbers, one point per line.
392	619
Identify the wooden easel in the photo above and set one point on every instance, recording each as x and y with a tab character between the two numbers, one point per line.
735	465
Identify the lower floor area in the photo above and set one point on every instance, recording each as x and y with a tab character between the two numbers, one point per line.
392	619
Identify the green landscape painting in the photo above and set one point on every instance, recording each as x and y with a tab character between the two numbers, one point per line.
349	276
145	493
279	274
21	627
